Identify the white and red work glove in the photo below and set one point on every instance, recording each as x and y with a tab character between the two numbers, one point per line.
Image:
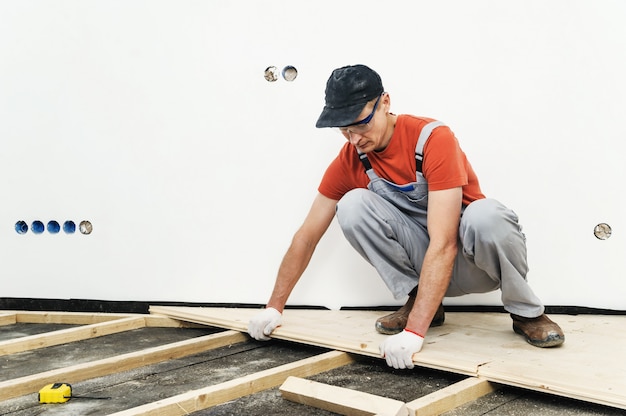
263	324
398	349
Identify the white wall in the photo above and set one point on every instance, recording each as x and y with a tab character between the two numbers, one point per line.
152	119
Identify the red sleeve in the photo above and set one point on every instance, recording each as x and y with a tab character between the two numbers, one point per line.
343	174
444	161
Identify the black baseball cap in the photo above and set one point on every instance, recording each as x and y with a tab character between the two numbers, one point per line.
347	91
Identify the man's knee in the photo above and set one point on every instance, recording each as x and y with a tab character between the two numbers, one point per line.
487	213
351	207
489	218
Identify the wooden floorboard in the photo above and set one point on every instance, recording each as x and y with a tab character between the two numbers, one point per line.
587	367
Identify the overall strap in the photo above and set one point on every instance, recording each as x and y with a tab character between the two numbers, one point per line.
421	141
365	161
367	165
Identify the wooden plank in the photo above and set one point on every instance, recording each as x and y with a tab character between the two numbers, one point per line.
340	400
587	367
193	401
30	384
7	319
159	321
86	318
451	397
65	336
70	318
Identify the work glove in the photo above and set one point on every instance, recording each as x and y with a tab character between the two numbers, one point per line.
398	349
262	324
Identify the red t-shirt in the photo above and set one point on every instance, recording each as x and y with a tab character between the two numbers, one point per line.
445	165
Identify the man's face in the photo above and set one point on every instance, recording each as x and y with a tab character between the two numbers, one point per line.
367	133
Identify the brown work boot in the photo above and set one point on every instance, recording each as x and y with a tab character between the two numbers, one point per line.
540	332
396	322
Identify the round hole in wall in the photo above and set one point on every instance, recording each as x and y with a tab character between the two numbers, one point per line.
602	231
37	227
21	227
290	73
271	73
85	227
53	227
69	227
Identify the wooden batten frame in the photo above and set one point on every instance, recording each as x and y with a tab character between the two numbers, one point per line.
340	400
30	384
204	398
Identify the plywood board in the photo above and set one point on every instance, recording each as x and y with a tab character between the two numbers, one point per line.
586	367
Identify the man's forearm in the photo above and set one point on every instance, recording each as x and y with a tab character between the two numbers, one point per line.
291	268
433	284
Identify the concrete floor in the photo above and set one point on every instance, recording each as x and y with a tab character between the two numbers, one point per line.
150	383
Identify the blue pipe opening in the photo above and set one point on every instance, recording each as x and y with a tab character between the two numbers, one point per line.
69	227
37	227
53	227
21	227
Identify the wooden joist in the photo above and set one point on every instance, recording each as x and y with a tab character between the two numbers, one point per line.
340	400
69	318
204	398
65	336
351	402
30	384
451	397
7	319
85	318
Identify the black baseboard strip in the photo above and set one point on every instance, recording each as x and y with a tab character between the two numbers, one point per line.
108	306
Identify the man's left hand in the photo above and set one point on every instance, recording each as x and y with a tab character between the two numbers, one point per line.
398	349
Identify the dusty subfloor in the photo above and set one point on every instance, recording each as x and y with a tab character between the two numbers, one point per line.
147	384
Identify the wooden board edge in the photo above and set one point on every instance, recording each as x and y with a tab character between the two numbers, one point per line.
116	364
339	399
193	401
162	321
68	335
173	312
604	398
69	318
7	319
451	397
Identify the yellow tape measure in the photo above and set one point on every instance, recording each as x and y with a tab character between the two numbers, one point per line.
60	393
55	393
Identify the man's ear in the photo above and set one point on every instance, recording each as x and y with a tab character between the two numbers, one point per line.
386	102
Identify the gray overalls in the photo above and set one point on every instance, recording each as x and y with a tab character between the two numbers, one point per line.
386	224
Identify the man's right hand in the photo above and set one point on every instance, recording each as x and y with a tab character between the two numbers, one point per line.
263	324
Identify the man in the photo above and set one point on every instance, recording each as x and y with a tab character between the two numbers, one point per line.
410	203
